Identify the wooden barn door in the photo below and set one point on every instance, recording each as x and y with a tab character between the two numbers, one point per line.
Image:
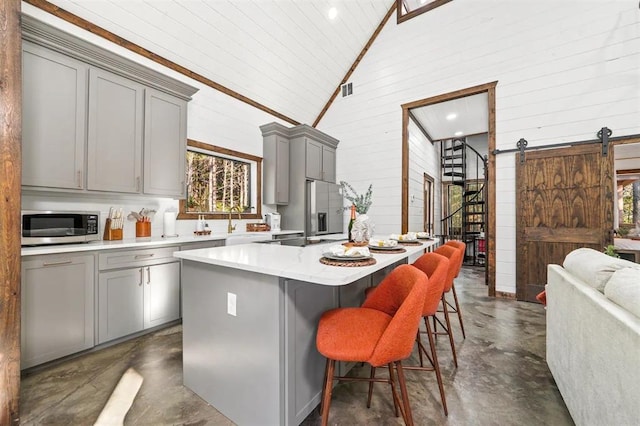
564	201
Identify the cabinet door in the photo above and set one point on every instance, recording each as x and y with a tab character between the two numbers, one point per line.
120	303
54	100
328	164
313	159
282	170
161	294
115	133
57	307
165	144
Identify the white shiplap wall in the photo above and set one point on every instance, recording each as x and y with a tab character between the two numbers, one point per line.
213	117
423	158
564	69
287	55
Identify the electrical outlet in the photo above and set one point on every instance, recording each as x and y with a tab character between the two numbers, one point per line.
231	304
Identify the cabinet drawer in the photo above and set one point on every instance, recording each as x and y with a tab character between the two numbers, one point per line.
133	258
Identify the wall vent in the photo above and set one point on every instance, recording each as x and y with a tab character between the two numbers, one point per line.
347	89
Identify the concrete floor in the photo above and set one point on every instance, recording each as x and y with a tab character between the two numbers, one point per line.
502	378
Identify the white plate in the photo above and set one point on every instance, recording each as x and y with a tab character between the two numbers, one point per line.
415	240
332	256
384	247
423	236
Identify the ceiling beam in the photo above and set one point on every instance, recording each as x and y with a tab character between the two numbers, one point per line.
114	38
422	129
355	64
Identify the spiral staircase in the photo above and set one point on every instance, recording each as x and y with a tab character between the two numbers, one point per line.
465	171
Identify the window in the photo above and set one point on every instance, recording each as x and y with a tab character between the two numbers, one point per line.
221	180
629	202
407	9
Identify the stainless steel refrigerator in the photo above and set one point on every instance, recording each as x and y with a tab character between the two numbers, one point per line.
324	208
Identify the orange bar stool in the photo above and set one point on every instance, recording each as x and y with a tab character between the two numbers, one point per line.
380	332
453	255
463	249
436	267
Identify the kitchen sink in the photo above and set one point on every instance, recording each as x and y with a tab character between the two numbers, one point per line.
233	240
299	241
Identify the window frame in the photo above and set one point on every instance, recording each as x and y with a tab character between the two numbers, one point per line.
184	215
419	11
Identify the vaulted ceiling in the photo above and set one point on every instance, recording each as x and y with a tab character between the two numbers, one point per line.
285	54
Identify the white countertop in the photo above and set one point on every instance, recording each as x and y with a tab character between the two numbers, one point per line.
147	242
299	263
626	244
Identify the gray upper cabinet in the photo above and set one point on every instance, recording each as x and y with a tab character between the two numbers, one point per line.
95	121
328	164
165	140
54	109
276	164
313	159
315	150
114	160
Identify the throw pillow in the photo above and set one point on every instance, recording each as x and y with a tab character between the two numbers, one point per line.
623	289
595	268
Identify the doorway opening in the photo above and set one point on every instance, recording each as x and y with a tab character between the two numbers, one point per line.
436	124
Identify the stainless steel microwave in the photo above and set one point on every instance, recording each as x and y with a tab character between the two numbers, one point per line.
59	227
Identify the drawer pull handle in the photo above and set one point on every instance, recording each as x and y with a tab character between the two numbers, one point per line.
144	256
141	276
148	275
63	262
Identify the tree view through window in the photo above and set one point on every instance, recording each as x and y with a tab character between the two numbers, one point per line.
217	184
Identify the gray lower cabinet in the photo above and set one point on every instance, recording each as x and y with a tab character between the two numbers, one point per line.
54	105
57	307
137	289
304	305
161	294
165	141
114	157
120	303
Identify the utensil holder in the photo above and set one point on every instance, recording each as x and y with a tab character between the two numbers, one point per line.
143	229
111	234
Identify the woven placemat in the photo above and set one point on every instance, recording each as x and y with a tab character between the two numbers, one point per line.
364	262
385	251
410	243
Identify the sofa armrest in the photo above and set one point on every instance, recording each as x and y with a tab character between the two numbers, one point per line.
593	348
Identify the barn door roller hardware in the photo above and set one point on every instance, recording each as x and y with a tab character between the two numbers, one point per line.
604	137
522	145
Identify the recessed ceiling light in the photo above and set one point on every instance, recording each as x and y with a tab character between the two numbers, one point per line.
333	12
452	116
458	133
423	1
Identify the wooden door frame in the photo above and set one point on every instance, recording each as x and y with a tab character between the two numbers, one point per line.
426	177
490	89
10	192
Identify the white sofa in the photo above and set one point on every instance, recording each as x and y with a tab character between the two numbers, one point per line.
593	343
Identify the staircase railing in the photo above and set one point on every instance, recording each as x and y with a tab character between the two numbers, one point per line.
457	171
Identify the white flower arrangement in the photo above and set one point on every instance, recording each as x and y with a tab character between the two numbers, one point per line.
362	202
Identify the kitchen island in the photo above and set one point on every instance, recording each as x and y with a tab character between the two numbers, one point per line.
250	314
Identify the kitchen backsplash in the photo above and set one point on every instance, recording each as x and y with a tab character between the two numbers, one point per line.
183	227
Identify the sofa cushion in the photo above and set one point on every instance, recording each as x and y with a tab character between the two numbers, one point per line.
595	268
623	289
